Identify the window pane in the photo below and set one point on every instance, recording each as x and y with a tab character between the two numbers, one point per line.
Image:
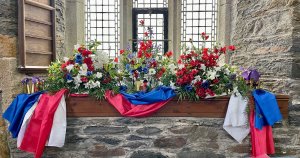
198	16
103	24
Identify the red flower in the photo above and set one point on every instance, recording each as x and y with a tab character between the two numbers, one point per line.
80	49
122	51
210	92
86	53
91	67
223	50
84	79
146	34
169	54
153	64
231	47
148	55
203	33
88	61
215	81
140	54
116	60
179	61
142	22
201	92
63	66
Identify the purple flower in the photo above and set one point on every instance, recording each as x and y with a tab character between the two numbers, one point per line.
25	80
130	56
128	47
35	80
250	73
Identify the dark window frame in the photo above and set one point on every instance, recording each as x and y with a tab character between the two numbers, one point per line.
135	23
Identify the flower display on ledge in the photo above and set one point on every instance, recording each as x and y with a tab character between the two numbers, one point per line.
196	75
79	74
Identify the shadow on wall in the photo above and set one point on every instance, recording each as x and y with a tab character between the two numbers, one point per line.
4	150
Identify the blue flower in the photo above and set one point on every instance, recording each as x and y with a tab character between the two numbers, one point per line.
130	56
128	67
205	84
140	69
188	88
69	77
145	70
78	59
89	73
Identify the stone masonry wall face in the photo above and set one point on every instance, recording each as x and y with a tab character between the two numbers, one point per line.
267	33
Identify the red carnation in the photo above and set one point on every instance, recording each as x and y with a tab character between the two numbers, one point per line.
142	22
215	81
63	66
148	55
122	51
231	47
223	49
140	54
210	92
201	92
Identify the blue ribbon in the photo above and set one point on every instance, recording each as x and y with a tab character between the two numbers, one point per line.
266	108
15	113
159	94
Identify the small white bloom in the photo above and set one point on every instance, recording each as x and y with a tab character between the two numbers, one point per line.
70	67
211	74
172	67
77	46
227	71
203	67
180	66
98	75
172	85
198	78
83	70
66	59
152	71
96	84
160	83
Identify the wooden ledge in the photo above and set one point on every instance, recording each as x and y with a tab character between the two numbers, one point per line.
209	108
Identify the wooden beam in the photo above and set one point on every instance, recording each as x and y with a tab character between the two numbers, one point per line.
40	5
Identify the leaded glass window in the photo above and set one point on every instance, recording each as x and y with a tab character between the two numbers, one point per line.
102	22
198	16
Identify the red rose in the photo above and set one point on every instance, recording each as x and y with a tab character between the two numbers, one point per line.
84	79
223	50
215	81
148	55
231	47
210	92
203	33
122	51
140	54
201	92
63	66
142	22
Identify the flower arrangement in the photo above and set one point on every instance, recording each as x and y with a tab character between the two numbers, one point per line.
197	74
144	68
200	76
79	74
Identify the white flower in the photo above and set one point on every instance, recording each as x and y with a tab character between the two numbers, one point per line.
160	83
98	75
70	67
180	66
77	81
203	67
99	58
152	71
172	68
211	74
227	71
96	84
218	68
172	85
83	70
66	59
196	79
77	46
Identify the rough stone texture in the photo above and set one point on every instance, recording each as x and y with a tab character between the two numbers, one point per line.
8	46
8	17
